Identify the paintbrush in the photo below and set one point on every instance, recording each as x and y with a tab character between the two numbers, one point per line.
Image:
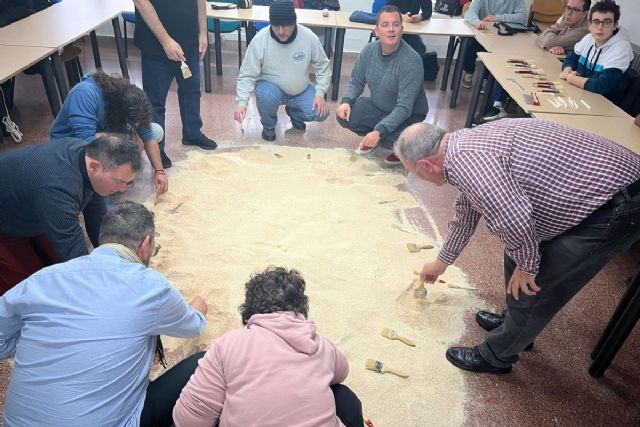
470	288
376	366
397	227
414	247
186	72
391	334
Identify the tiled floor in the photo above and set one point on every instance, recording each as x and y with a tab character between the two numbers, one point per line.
550	386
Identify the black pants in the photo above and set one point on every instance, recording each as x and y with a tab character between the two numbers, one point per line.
348	406
164	391
365	116
469	60
415	41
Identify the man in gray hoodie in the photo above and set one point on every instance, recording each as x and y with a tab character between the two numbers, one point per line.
393	72
277	67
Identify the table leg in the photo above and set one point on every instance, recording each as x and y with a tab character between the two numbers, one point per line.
475	96
457	73
58	73
50	87
337	62
96	51
487	94
328	39
218	46
120	47
447	62
250	31
627	313
206	62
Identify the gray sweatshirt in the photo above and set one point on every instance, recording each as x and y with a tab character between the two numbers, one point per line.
285	65
395	83
504	10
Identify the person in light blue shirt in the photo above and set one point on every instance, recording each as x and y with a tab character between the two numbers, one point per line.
102	103
83	334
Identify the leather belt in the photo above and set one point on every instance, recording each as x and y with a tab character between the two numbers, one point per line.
623	195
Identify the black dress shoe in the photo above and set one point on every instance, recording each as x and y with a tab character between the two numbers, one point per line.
489	321
471	360
296	124
166	161
269	134
202	142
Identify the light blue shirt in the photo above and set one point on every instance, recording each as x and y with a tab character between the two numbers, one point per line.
83	335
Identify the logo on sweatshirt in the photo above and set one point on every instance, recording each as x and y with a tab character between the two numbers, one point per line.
298	56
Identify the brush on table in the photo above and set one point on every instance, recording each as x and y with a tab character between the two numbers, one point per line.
376	366
392	335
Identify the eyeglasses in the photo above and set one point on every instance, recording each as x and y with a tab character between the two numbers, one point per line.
570	9
156	249
605	22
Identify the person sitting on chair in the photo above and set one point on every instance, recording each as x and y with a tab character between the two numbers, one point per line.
414	11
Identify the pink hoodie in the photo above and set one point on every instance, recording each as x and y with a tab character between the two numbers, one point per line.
276	372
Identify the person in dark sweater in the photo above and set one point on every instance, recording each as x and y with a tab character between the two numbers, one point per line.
170	33
394	74
414	11
43	189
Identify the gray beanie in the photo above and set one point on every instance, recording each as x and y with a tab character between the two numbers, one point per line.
282	13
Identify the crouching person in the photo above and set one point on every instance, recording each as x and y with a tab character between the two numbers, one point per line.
84	332
275	372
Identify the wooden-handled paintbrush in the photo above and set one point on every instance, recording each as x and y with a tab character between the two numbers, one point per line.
186	72
392	335
414	247
376	366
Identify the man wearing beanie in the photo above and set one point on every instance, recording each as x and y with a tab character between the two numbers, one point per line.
276	65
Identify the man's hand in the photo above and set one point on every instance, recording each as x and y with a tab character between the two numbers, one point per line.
344	111
240	114
565	73
161	181
557	50
637	120
371	139
199	304
320	106
522	282
173	50
408	17
481	25
490	18
203	43
432	270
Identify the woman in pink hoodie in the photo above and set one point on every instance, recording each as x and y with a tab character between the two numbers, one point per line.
275	372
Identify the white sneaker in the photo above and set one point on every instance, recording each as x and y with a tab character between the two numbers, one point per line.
494	113
467	80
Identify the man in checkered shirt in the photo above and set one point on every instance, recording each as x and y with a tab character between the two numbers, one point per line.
563	202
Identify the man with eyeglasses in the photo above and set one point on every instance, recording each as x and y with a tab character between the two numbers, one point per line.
43	190
600	60
393	72
83	334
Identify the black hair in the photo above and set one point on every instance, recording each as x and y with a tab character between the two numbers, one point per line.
606	6
114	150
388	8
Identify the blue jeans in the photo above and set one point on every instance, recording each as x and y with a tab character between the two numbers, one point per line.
497	94
568	262
269	97
157	75
469	60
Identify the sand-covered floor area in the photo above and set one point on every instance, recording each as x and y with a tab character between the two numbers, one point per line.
232	214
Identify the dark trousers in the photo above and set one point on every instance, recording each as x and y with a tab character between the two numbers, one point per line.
348	406
20	257
568	262
365	116
164	391
157	75
469	60
415	41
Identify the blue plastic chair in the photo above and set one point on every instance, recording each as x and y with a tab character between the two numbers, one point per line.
227	26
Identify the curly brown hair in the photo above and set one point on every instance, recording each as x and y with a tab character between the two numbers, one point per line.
275	289
127	107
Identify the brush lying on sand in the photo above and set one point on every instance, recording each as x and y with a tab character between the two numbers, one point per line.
391	334
186	72
414	247
453	286
375	365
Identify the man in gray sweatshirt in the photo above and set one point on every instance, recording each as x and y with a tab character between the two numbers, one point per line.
277	67
393	71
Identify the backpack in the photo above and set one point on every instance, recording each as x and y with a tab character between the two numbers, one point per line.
430	66
448	7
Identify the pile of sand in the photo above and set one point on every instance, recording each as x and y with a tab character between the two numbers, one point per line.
232	214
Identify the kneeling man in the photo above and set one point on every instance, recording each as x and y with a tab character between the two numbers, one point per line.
393	71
